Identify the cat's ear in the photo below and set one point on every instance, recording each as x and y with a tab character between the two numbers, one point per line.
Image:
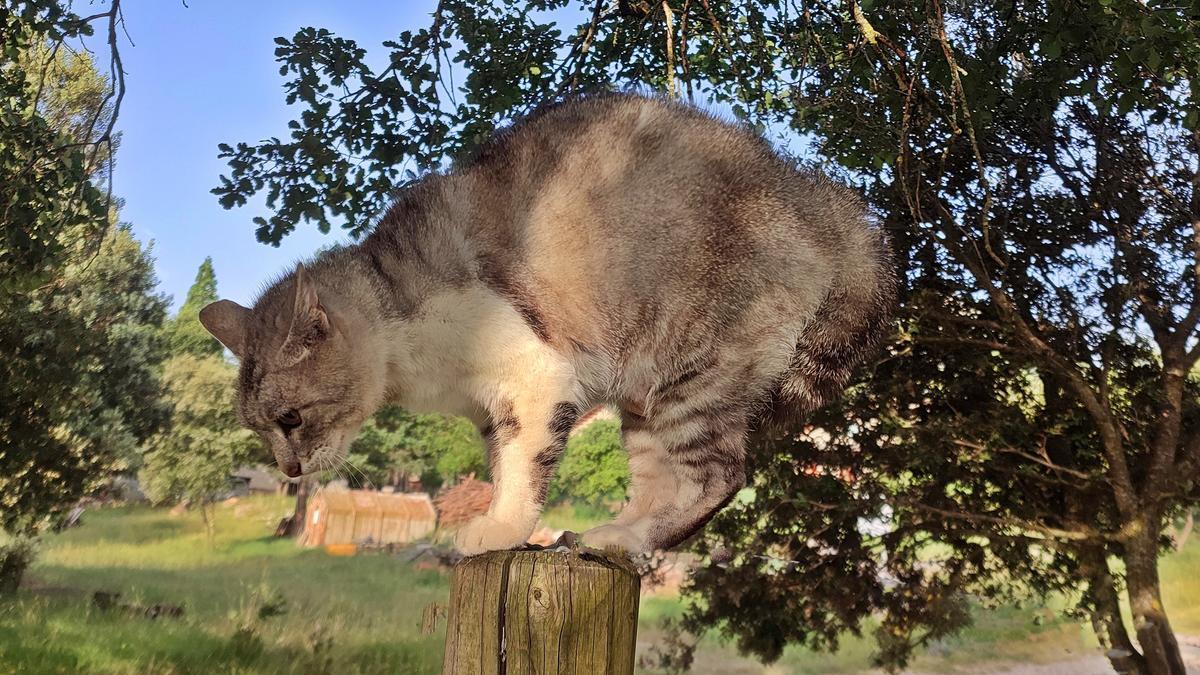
310	323
226	320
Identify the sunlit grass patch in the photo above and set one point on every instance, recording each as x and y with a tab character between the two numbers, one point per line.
1180	574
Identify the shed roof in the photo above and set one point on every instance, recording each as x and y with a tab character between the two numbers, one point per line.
259	478
463	502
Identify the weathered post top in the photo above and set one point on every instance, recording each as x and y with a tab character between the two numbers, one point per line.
545	612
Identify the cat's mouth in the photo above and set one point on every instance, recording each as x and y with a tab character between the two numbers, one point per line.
291	468
294	467
321	459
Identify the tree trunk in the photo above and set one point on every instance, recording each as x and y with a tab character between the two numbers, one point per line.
293	526
1106	614
207	515
1159	647
301	511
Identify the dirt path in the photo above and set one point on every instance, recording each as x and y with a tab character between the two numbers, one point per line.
714	662
1091	665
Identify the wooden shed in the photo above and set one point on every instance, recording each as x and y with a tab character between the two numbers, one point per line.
366	517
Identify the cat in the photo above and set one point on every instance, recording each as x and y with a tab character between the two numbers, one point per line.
609	249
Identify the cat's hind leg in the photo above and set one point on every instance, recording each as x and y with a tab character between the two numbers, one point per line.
686	462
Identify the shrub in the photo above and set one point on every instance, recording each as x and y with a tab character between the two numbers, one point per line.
15	558
594	469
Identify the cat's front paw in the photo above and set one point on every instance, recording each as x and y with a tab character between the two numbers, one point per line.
485	533
613	535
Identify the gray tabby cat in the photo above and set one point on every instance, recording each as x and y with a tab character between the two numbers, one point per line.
612	249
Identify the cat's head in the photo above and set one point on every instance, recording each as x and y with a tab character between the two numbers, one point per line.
309	376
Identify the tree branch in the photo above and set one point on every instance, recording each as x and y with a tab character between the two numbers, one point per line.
1043	461
670	20
1111	432
1082	534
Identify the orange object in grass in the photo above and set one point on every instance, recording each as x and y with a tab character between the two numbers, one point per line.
341	549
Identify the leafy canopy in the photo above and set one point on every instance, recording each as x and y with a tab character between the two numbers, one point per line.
395	444
79	349
594	469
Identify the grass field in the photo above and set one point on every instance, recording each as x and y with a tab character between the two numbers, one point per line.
363	614
368	606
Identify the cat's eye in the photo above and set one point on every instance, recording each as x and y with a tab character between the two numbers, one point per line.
290	419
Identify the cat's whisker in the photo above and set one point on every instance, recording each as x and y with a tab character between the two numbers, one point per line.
343	468
350	469
366	480
336	468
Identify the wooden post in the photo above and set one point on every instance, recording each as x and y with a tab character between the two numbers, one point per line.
545	612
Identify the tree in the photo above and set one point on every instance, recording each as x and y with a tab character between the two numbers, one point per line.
193	459
75	100
118	394
185	334
88	365
47	170
1049	204
457	447
594	469
394	444
1036	165
78	318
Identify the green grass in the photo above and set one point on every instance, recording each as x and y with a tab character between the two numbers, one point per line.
1005	634
1180	574
369	607
575	517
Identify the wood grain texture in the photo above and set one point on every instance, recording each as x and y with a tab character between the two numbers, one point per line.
543	613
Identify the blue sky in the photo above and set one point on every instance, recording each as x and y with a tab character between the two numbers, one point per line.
205	74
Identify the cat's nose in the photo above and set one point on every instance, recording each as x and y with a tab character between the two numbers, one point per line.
290	468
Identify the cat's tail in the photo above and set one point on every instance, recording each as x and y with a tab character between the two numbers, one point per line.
845	330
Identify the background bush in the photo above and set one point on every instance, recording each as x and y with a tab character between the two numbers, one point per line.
594	468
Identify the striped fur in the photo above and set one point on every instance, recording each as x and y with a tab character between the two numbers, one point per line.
608	250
